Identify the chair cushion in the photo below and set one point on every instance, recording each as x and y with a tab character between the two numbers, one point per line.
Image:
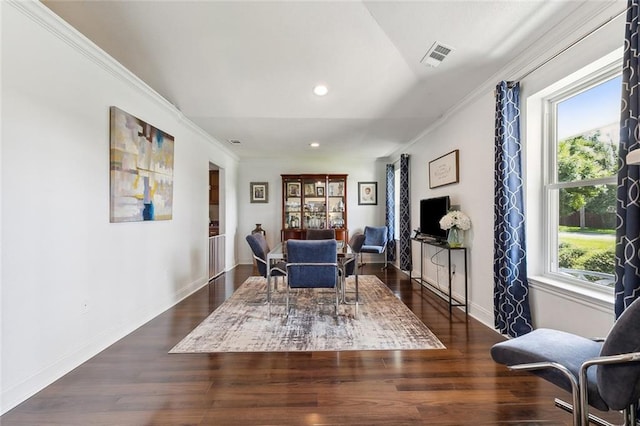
371	249
375	235
619	384
312	251
544	345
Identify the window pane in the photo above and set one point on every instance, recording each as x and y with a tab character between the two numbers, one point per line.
588	131
586	233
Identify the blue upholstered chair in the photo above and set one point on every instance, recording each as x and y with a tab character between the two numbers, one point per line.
603	374
260	248
312	264
321	234
375	241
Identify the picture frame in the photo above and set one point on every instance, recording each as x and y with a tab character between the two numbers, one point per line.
445	170
320	191
336	189
309	189
141	158
368	193
259	192
293	189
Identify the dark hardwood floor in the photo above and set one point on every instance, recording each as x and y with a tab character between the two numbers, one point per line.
136	382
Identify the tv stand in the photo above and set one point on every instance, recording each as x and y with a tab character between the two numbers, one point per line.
424	283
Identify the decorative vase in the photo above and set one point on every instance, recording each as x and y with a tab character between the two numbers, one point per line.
455	237
259	230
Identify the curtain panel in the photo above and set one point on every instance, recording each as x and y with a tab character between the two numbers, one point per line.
511	289
627	284
404	248
390	213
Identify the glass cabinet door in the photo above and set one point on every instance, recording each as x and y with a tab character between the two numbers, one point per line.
292	204
337	202
315	203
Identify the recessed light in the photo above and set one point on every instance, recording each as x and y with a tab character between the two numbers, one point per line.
314	144
321	90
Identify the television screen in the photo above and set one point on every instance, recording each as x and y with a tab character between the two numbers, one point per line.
431	211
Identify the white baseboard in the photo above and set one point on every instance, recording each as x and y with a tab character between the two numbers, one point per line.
10	398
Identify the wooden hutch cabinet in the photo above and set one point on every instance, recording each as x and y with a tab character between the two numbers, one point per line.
314	201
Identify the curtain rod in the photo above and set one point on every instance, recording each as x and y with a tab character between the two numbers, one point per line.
590	33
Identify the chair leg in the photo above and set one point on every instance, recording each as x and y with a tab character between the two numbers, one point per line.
630	415
286	313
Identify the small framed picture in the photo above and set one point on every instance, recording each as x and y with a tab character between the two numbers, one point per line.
293	189
368	193
309	189
259	192
320	191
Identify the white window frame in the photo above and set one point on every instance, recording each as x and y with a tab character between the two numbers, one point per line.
550	186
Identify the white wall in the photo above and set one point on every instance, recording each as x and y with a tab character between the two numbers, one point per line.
270	214
470	128
59	251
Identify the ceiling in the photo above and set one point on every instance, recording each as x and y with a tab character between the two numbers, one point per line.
246	70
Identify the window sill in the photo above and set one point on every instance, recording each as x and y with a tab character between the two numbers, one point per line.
603	300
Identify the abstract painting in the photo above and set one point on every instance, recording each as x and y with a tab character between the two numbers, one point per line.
141	170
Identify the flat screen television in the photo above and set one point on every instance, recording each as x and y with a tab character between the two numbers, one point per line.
431	211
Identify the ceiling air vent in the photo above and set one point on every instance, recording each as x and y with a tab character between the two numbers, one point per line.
436	54
234	141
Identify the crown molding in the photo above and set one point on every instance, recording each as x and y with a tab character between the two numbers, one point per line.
43	16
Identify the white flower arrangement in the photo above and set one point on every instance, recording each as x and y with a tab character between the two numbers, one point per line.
457	219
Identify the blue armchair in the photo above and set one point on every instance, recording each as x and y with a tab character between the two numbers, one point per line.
260	248
312	264
375	241
605	375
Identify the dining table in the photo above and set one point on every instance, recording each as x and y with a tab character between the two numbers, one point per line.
345	256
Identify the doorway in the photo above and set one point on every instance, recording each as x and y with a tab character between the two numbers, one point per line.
216	225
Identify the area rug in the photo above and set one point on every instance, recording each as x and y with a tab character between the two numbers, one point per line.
241	324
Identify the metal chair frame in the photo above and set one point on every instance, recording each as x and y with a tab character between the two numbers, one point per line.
579	394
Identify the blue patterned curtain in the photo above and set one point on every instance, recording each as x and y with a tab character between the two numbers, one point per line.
404	248
510	286
628	204
390	215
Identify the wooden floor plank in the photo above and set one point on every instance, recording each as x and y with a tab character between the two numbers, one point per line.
136	381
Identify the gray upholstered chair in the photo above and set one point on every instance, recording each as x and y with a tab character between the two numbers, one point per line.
321	234
375	241
260	248
603	374
312	264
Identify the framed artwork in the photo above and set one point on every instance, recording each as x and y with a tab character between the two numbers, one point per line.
259	192
141	170
336	189
320	191
293	189
444	170
309	189
368	193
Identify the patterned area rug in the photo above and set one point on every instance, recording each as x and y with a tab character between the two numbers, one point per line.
241	324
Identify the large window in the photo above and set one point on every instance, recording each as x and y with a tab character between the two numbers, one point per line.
580	190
